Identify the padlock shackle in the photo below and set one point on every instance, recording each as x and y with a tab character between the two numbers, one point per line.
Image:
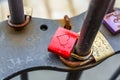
16	11
91	25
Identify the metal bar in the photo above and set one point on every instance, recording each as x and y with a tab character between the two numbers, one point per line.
16	11
24	76
91	25
111	6
74	75
116	74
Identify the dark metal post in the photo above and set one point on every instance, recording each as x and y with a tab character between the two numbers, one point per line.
116	74
111	6
74	75
91	25
24	76
16	11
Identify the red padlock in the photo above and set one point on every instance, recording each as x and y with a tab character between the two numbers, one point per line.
63	42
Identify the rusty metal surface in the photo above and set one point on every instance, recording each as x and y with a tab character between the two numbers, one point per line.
18	27
27	50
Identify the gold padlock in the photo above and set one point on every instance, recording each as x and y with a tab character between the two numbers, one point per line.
101	48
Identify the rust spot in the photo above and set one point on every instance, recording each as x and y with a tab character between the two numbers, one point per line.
19	27
67	22
76	63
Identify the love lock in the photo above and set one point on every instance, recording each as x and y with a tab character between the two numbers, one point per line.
63	42
112	21
26	50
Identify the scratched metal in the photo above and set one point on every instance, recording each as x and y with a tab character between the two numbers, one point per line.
27	50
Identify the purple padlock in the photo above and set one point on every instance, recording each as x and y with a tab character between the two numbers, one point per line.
112	22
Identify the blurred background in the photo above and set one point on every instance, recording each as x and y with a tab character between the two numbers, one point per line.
53	9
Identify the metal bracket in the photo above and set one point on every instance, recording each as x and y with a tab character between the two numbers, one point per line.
26	50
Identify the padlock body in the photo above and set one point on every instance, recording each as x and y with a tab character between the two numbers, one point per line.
62	42
112	22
